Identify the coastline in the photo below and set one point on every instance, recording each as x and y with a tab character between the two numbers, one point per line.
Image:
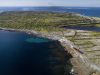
89	17
79	58
69	47
33	32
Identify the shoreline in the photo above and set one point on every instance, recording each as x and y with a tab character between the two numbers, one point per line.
33	32
68	46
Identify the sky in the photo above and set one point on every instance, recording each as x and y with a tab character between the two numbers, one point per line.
81	3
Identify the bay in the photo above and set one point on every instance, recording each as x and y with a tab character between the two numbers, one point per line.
24	54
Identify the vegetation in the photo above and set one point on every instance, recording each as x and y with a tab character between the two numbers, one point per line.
42	21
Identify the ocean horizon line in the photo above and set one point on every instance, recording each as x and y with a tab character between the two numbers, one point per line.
54	6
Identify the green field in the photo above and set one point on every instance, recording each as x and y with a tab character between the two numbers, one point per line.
42	21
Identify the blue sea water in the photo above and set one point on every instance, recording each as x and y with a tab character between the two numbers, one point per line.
88	11
24	54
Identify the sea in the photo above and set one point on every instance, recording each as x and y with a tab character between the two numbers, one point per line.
27	54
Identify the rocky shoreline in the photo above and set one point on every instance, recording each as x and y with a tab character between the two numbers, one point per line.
38	34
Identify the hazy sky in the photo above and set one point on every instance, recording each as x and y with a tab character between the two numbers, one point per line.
83	3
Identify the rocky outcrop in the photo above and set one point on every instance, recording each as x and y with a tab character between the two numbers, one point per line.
81	64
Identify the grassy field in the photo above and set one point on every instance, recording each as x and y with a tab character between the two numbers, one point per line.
42	21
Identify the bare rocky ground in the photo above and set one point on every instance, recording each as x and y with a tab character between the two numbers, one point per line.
88	41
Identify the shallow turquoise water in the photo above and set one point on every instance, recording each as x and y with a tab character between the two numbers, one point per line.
36	40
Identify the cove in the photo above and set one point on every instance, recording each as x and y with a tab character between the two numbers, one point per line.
24	54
